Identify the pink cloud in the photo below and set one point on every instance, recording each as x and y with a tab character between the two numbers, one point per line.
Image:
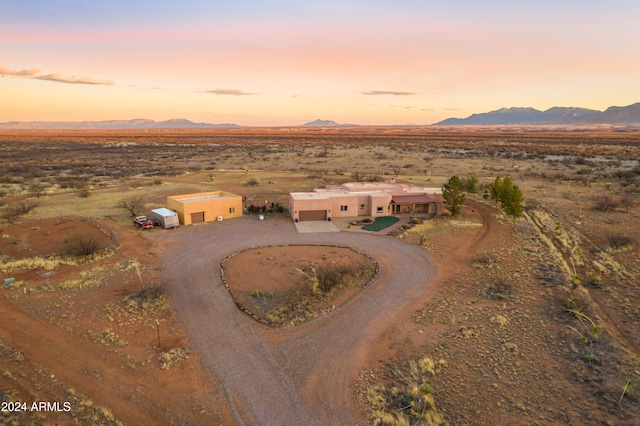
18	73
72	80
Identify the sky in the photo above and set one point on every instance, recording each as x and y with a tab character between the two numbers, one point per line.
281	62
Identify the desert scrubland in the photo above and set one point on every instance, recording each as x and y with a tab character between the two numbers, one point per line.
534	320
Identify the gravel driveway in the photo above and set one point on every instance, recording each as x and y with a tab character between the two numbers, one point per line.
295	376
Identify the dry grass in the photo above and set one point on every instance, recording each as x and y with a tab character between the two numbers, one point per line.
407	399
51	263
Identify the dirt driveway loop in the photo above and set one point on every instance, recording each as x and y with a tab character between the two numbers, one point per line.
299	375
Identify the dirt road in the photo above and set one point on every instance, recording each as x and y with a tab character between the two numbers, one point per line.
299	375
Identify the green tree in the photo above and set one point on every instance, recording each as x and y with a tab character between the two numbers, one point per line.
495	189
472	183
511	199
508	194
453	195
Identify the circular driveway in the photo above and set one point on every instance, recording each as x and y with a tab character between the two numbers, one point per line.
300	375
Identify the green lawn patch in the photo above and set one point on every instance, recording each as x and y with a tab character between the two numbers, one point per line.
380	223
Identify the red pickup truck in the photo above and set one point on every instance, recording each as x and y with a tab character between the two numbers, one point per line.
142	222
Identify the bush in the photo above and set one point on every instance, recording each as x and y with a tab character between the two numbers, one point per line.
14	212
25	207
148	298
605	203
500	288
618	241
82	245
10	215
332	275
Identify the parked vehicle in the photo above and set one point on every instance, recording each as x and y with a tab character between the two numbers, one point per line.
142	222
165	218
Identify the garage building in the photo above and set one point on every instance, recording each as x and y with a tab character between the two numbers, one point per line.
205	206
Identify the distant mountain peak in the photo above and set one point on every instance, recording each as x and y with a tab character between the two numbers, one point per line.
325	123
553	116
321	123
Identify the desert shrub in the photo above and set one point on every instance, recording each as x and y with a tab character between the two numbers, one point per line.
14	212
10	215
409	399
499	288
83	193
148	298
332	275
358	176
578	301
25	207
70	181
82	245
36	189
618	241
605	203
580	160
172	357
627	203
484	260
375	178
252	182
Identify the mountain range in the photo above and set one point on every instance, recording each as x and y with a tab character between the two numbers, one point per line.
140	123
505	116
553	116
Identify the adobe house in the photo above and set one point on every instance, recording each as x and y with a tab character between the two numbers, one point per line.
372	199
205	206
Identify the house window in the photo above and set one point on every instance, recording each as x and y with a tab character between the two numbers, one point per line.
343	208
379	209
232	209
361	206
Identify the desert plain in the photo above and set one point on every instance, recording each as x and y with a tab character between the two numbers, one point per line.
477	318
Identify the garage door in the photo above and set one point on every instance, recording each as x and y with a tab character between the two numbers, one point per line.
313	215
197	217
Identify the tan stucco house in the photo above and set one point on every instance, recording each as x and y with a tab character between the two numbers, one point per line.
205	206
372	199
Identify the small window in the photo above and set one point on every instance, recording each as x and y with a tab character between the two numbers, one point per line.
232	209
343	208
379	209
361	206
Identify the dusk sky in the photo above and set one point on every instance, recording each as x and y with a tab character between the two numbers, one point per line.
267	63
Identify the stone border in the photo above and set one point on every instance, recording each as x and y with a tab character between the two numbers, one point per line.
264	321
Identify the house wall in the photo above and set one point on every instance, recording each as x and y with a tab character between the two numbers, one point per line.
228	206
339	204
334	205
380	201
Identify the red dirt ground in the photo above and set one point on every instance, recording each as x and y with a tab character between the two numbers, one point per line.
277	272
58	346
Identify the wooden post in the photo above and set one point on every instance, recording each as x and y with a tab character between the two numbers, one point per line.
158	330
